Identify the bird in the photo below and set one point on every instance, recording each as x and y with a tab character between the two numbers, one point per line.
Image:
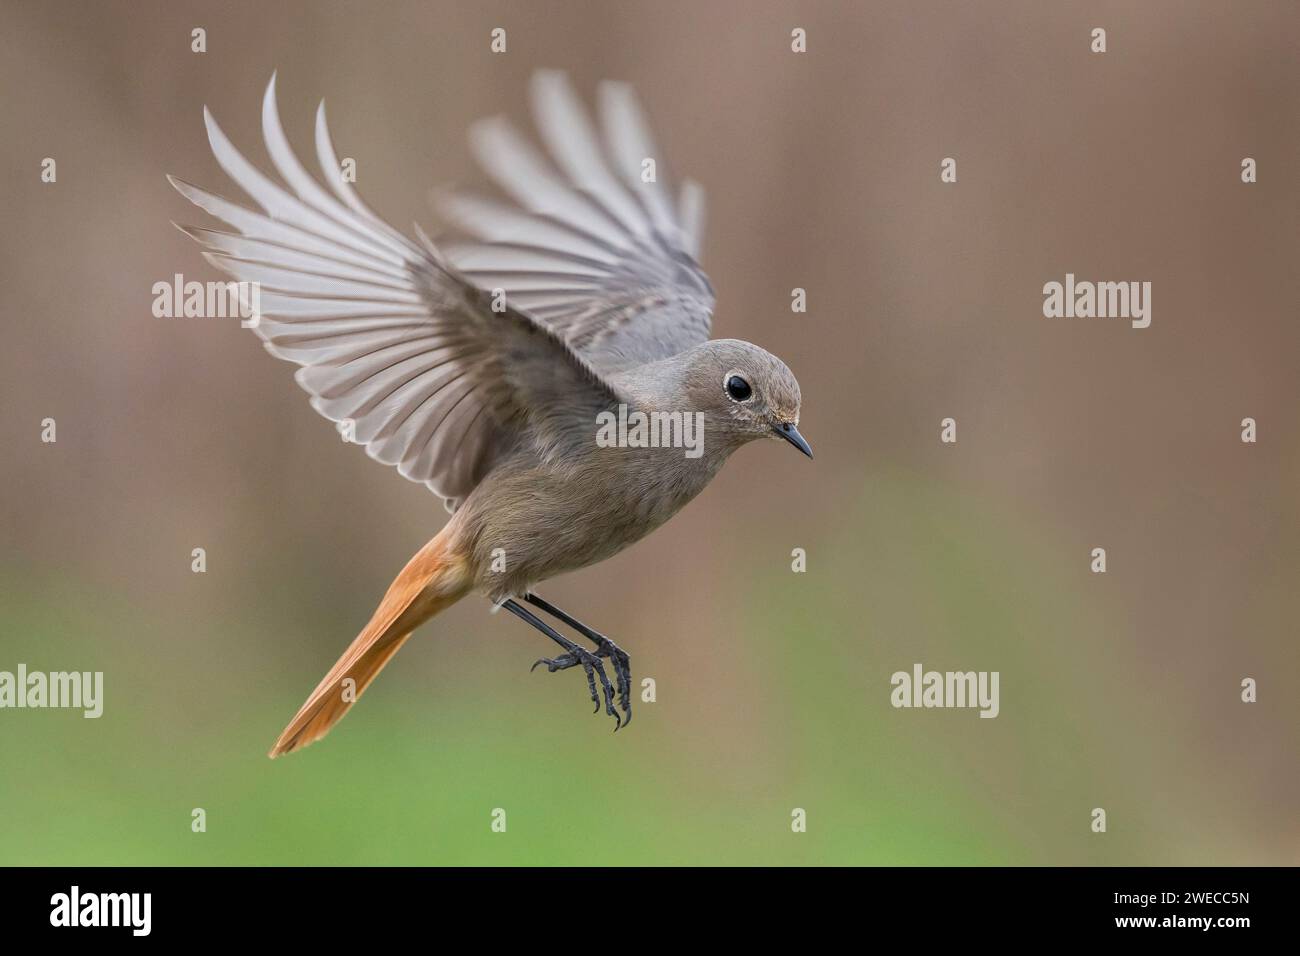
480	366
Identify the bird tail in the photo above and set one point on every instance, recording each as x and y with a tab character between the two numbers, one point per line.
434	579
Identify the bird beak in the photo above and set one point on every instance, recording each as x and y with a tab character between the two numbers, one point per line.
791	434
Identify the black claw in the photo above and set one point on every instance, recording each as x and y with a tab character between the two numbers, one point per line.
606	690
622	671
590	662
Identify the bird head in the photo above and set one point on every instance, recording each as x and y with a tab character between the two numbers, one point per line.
745	393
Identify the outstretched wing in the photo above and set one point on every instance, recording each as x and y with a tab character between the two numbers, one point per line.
597	250
389	338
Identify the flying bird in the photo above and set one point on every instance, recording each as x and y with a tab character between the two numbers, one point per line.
481	369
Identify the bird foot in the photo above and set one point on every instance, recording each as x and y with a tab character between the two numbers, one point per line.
591	665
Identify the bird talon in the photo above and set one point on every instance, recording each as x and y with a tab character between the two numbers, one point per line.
574	655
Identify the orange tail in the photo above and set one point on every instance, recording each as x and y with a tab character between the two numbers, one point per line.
432	580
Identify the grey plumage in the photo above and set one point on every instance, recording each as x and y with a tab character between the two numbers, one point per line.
490	403
554	515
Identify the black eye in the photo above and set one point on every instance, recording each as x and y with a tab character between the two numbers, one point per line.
738	388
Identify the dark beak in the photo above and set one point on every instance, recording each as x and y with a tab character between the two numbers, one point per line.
791	434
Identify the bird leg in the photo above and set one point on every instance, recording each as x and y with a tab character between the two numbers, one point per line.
573	656
604	648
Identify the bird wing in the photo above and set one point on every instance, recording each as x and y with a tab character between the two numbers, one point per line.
604	258
389	338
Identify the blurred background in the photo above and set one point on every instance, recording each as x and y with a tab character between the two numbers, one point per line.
1118	690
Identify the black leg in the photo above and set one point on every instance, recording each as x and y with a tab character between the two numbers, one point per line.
573	656
604	648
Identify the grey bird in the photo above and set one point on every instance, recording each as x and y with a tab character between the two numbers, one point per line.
482	369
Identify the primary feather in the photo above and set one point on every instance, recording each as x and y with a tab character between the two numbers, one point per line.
590	247
389	337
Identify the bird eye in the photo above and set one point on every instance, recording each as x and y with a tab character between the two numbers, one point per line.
738	388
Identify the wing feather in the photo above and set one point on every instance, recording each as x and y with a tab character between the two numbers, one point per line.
604	258
388	337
